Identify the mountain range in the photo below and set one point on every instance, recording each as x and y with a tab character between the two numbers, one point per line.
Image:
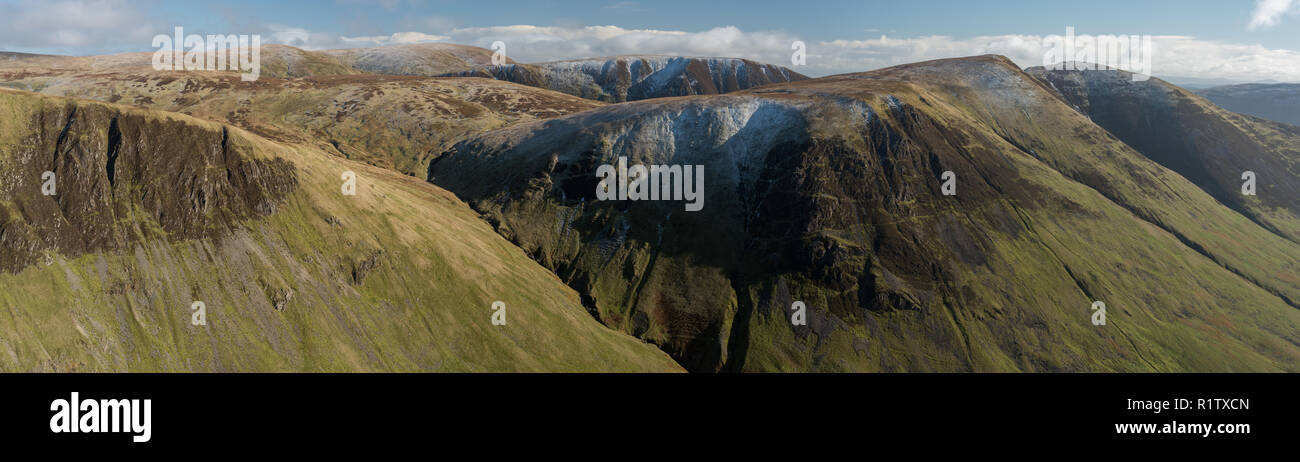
1071	188
631	78
1279	102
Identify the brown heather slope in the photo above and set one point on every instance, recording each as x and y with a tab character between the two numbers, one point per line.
155	210
131	188
396	122
283	61
37	63
827	191
422	59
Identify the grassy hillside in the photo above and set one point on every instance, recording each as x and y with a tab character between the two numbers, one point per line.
1071	189
157	210
1204	143
827	191
395	122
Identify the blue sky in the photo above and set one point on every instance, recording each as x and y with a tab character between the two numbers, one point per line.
815	20
839	33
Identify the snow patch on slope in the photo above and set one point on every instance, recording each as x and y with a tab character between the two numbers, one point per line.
629	78
724	137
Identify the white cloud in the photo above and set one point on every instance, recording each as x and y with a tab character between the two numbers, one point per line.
301	38
1178	56
70	24
58	25
295	36
548	43
310	40
1189	57
398	38
415	37
1268	13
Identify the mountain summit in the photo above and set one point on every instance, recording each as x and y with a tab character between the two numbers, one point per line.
631	78
950	215
828	192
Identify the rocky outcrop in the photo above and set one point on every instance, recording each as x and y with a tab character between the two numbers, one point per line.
160	215
829	192
396	122
631	78
120	177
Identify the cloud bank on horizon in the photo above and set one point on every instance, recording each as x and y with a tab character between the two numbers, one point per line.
1181	56
86	24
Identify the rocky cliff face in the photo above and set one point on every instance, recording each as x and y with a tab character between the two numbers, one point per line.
397	122
120	178
829	192
157	213
826	193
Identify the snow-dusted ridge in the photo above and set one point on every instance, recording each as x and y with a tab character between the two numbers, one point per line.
630	78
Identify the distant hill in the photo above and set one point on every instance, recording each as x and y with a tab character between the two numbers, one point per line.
1278	102
1202	142
283	61
616	79
632	78
424	59
396	122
